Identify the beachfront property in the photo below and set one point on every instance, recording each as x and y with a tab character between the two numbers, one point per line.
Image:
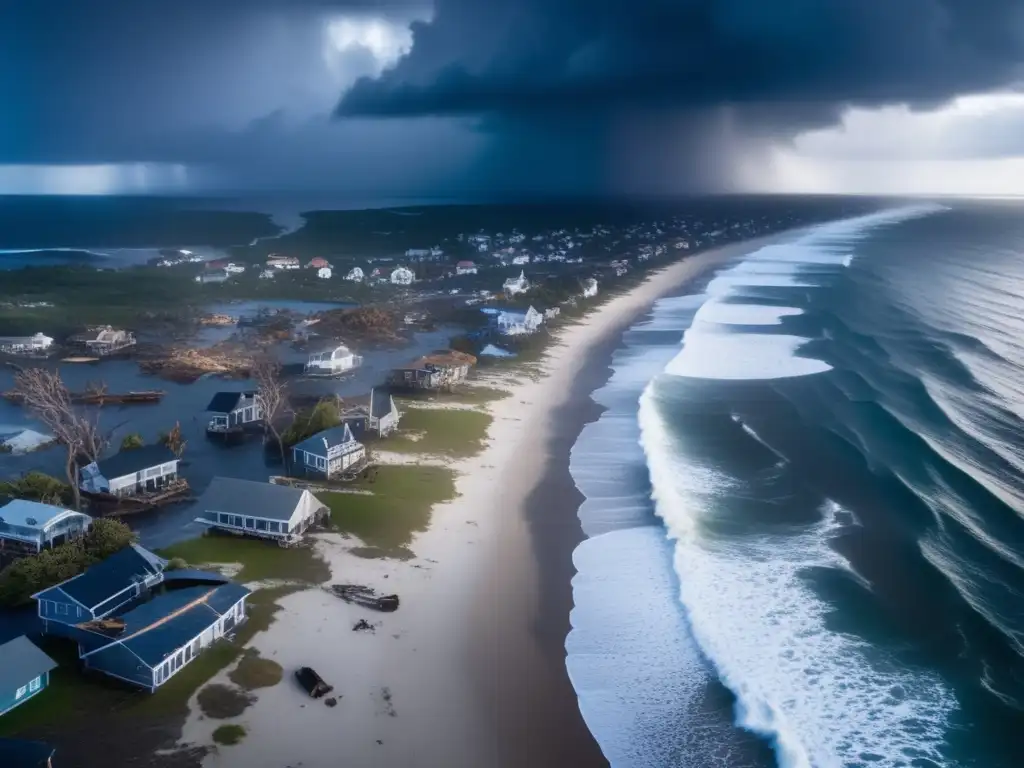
436	371
282	262
355	275
107	340
465	268
324	273
515	285
98	591
515	323
37	344
233	412
29	527
332	362
403	276
378	415
264	510
330	453
589	288
24	672
128	473
22	753
150	643
552	312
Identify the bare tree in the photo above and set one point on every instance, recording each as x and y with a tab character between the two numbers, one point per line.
46	396
270	395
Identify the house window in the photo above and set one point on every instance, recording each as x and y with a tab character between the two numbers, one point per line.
35	685
20	693
275	527
261	525
224	518
249	523
239	523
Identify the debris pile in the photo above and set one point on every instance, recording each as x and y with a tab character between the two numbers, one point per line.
366	597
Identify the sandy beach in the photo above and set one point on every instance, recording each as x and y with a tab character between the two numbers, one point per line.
470	670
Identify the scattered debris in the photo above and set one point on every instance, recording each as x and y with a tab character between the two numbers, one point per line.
331	701
366	597
364	626
313	684
385	694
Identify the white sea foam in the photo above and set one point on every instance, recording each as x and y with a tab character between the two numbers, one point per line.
727	313
825	699
742	356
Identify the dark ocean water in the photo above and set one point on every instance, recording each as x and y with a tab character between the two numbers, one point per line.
832	570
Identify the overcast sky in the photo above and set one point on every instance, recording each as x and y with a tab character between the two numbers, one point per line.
476	98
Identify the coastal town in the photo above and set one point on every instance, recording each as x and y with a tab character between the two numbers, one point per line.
161	495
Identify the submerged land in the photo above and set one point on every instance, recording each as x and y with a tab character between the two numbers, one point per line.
469	513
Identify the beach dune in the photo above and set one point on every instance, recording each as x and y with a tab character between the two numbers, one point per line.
470	671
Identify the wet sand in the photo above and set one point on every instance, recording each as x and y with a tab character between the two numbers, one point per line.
470	671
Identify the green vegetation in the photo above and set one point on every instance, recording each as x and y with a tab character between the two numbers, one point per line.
23	578
457	432
228	735
398	507
323	415
260	560
253	671
222	701
176	564
132	441
37	486
467	395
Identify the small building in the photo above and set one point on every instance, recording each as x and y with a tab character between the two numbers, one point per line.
264	510
511	323
436	371
552	312
465	268
324	273
515	285
330	453
36	344
233	412
234	269
128	473
24	672
268	274
99	590
332	362
589	288
318	263
282	262
108	340
147	645
378	415
20	753
355	275
403	276
30	527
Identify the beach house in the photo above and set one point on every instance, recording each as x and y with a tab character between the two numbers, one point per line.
515	323
98	591
24	672
403	276
377	415
515	285
436	371
324	273
589	288
465	268
264	510
106	340
282	262
330	453
332	362
233	412
37	344
30	527
355	275
128	473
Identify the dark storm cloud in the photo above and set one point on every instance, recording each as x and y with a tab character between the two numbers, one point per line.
535	55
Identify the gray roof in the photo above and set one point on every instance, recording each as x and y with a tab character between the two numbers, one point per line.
135	460
21	661
248	497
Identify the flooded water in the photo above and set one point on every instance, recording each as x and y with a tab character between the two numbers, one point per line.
213	334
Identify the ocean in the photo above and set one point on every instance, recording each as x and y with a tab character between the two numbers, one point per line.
805	545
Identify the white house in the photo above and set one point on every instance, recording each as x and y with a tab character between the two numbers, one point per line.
233	412
29	525
552	312
234	269
465	268
589	288
324	273
511	323
265	510
355	275
19	345
131	472
520	259
329	453
332	362
403	276
267	274
515	285
283	262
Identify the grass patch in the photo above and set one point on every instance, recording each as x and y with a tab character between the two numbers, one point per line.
448	431
222	701
260	560
398	507
468	395
253	671
229	735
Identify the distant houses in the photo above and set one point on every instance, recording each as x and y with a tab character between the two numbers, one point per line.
355	275
329	453
589	288
403	276
516	323
232	412
378	415
132	472
282	262
263	510
29	527
516	285
465	268
436	371
332	362
24	672
36	344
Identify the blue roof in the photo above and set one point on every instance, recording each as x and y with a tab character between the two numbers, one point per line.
109	577
155	630
135	460
18	753
20	662
192	574
334	436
